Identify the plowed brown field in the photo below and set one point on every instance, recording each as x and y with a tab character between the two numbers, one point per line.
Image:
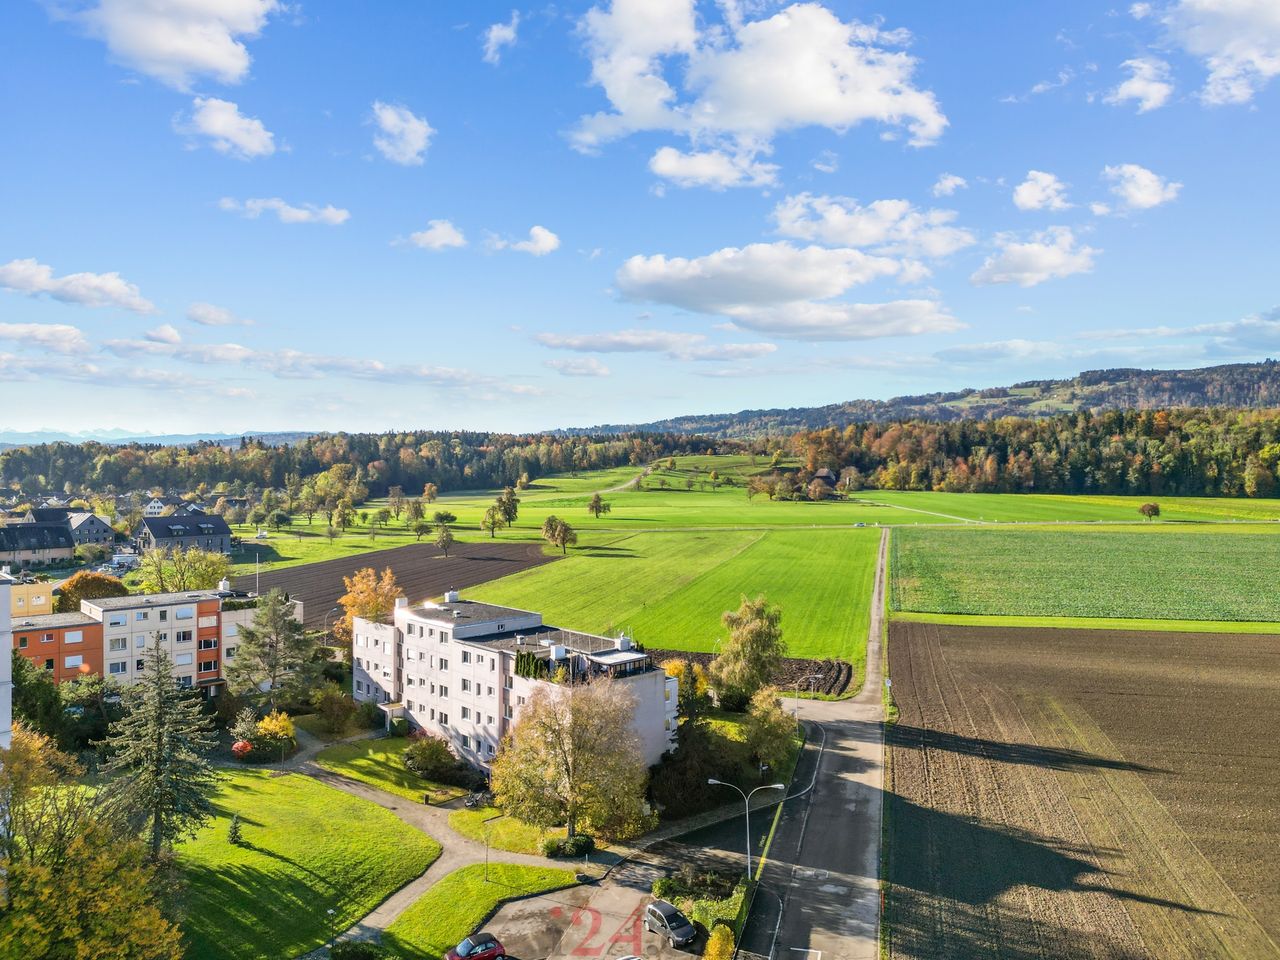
1083	793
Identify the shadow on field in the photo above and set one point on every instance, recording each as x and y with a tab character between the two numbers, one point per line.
946	873
1027	754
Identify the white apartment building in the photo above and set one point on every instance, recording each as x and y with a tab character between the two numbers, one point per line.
450	668
6	663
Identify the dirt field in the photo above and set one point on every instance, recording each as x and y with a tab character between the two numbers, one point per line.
1058	793
420	568
833	675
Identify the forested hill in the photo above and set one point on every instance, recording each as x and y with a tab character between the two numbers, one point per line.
1240	385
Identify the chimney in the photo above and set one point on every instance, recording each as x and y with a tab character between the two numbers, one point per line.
451	596
402	602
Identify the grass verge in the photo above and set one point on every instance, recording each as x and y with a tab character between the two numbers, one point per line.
505	833
461	902
379	763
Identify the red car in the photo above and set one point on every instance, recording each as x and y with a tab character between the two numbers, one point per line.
478	946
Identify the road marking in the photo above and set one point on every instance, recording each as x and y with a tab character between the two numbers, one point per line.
804	950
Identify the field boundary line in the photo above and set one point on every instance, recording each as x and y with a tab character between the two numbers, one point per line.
1242	627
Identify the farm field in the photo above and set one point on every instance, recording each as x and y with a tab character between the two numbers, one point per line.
1038	507
1082	794
669	589
269	897
1202	573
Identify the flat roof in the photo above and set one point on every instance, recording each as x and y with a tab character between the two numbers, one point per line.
539	640
73	619
467	611
153	599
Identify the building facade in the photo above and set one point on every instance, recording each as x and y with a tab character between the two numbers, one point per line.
67	645
28	597
207	533
36	544
6	664
450	668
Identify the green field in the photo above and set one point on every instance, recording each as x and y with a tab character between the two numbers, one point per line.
270	897
456	905
380	763
1035	507
669	589
1162	573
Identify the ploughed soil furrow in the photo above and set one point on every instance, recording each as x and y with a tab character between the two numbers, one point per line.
1082	794
421	570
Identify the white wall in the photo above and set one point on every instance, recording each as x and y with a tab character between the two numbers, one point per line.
6	667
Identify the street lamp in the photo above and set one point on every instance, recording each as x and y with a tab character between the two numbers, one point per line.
327	616
810	679
746	800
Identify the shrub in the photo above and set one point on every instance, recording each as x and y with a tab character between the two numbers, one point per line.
578	845
276	726
233	831
334	707
399	726
367	712
719	944
356	950
430	758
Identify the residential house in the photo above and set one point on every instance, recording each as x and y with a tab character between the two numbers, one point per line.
47	515
68	645
28	597
156	506
826	477
450	668
89	528
35	544
205	532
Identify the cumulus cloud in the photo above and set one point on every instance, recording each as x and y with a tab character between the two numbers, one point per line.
1040	191
500	35
176	41
826	162
439	235
209	315
285	212
402	137
227	129
743	82
1048	255
33	278
885	226
577	367
948	184
674	344
1139	188
541	242
711	168
835	321
165	333
1149	84
50	337
1238	40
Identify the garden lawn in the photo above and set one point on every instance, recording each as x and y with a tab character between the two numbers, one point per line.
312	724
505	833
1163	573
301	858
380	763
669	590
461	902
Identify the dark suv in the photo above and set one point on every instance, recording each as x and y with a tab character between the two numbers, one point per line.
665	920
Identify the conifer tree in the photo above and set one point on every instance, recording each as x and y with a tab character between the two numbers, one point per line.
274	653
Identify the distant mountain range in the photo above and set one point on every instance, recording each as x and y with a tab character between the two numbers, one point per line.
119	437
1230	385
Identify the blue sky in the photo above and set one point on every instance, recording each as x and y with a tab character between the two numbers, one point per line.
252	215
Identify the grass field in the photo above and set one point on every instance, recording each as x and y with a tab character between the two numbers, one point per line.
270	897
379	763
455	906
504	833
1172	574
1082	794
669	589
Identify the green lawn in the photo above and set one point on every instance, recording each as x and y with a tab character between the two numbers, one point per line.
1033	507
461	902
668	590
1165	573
301	858
379	763
310	722
504	833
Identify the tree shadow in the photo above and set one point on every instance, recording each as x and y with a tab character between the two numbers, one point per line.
904	736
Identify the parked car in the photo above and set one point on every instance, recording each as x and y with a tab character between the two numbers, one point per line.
665	920
478	946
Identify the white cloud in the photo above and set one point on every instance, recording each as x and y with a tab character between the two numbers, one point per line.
1015	349
1040	191
50	337
1099	209
439	235
676	345
577	367
886	226
1138	187
1238	40
165	333
826	162
1148	84
948	184
209	315
743	83
500	35
1140	11
541	242
178	40
711	168
87	289
286	212
1050	254
403	137
835	321
229	131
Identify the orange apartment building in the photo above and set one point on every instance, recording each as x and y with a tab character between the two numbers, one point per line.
68	645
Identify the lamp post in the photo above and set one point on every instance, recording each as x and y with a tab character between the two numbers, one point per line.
810	680
326	619
746	800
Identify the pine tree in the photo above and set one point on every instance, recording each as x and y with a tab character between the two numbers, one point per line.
233	831
274	653
159	749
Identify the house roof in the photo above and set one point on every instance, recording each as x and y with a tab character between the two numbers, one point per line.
51	620
80	519
175	527
49	514
467	611
35	536
153	599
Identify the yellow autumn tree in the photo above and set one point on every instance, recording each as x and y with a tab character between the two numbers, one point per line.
369	596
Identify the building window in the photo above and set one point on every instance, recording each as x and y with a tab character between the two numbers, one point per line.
117	620
229	653
444	691
444	664
140	665
409	704
489	720
507	682
466	713
115	644
141	615
444	719
466	656
444	635
48	664
46	638
208	666
359	686
162	638
506	712
184	613
209	643
466	686
184	683
433	713
164	615
140	641
73	636
519	701
231	630
183	636
183	659
22	643
117	668
489	691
